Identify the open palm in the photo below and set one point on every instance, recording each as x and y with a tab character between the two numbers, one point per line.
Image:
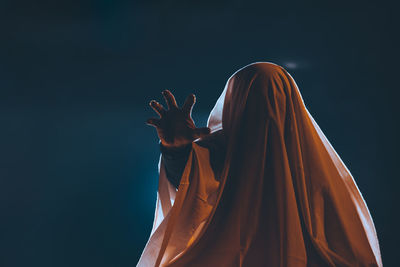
175	127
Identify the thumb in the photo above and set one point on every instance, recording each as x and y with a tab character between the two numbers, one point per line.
201	132
153	122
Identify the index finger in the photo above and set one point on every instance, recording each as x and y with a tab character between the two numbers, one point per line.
170	99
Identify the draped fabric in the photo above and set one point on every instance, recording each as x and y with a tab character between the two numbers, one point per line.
283	196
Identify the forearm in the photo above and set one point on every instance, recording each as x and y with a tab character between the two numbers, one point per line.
175	161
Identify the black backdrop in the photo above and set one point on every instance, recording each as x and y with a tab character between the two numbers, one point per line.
78	165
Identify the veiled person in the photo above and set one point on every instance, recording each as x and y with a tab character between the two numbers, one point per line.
259	186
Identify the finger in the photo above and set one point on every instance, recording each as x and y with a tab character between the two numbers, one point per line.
170	99
153	122
188	105
201	132
157	107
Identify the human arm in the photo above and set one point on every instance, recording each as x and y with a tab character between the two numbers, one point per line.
177	131
175	161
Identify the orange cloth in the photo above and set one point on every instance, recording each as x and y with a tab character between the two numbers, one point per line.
283	198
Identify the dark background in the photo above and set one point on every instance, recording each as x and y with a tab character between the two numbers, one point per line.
78	165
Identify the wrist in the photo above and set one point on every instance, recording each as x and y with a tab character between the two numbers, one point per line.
174	147
175	150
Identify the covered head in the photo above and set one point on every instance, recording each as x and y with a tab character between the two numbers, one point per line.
283	196
250	89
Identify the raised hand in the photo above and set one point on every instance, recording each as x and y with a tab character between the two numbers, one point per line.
175	127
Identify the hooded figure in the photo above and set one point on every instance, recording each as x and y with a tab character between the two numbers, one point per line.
279	196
